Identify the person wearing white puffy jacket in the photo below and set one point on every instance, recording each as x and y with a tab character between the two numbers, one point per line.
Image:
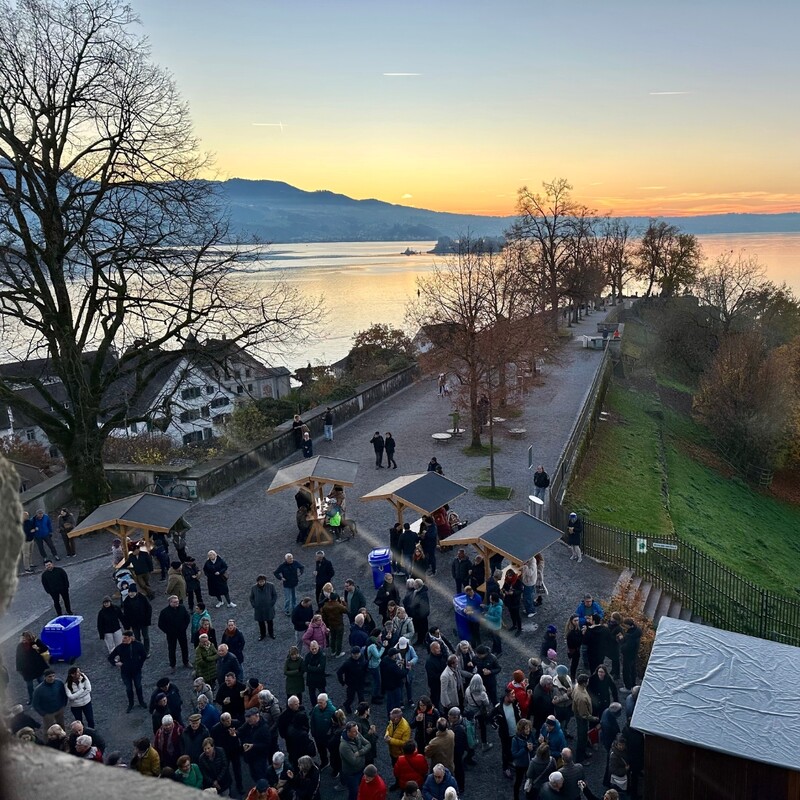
79	693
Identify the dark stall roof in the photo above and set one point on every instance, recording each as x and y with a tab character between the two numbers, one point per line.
425	492
321	469
722	691
515	534
152	512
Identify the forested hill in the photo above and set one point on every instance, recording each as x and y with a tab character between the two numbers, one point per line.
272	211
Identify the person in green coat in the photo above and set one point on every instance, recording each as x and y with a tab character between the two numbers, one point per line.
205	660
189	774
293	669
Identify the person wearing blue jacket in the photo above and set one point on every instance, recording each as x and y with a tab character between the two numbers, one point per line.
523	746
493	620
587	608
43	533
552	734
437	783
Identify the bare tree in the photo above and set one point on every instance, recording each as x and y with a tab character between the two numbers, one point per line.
728	284
616	251
668	258
477	325
113	254
547	222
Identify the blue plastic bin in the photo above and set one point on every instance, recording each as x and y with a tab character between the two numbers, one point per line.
462	619
62	636
381	562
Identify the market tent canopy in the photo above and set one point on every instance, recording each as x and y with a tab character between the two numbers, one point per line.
318	470
716	690
515	535
424	493
145	511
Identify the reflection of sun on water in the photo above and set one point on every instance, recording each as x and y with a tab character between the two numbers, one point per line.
363	283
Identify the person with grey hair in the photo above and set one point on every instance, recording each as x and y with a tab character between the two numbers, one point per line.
438	782
306	780
460	746
167	742
216	572
279	776
84	748
554	788
225	736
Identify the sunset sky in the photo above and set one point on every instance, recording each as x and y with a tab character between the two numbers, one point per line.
672	108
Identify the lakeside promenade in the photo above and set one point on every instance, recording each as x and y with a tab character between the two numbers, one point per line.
252	531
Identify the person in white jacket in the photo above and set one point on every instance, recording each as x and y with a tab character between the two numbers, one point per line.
79	693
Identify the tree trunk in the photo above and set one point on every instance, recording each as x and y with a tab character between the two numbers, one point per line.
84	459
474	412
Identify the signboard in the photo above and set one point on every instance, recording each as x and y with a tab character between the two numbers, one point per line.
641	545
665	546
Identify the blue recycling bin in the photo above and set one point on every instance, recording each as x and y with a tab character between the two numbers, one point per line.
462	618
62	636
381	562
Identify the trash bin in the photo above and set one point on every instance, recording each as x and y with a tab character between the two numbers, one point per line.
62	636
381	562
462	618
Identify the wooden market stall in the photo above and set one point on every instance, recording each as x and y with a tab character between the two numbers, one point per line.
424	493
515	535
134	517
315	473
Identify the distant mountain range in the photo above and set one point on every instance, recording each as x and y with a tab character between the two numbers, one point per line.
273	211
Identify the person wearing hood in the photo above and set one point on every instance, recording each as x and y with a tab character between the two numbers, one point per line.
549	641
562	695
476	700
109	624
574	533
552	734
438	782
176	583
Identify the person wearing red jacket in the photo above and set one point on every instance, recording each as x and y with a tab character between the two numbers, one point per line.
411	766
372	786
519	686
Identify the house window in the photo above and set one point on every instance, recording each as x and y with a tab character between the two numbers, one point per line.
191	393
190	416
249	387
266	390
209	390
237	374
248	373
219	402
30	435
204	412
240	389
207	433
193	437
134	428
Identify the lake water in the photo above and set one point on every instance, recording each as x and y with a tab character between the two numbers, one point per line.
367	282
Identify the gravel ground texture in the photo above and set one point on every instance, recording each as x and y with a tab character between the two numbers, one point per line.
252	531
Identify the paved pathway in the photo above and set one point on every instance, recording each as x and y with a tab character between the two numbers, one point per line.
252	532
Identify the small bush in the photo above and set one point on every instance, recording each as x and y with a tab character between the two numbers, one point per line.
144	448
36	455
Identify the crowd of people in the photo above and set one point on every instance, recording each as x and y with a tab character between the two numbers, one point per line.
448	702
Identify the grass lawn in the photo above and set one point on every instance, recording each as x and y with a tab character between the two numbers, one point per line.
628	479
620	482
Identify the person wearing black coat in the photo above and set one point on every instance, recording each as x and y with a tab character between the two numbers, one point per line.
393	679
386	592
138	615
130	657
226	736
435	665
595	640
506	726
488	667
141	564
378	446
56	584
323	572
174	699
389	444
263	598
229	696
277	772
352	673
629	651
29	661
216	572
213	765
174	621
109	623
407	542
419	611
191	574
353	598
460	569
192	738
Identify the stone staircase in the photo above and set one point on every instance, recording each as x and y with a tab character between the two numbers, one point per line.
652	601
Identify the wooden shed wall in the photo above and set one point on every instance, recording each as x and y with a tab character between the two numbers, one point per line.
675	770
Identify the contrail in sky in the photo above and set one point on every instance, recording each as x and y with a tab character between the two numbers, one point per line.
401	74
268	125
